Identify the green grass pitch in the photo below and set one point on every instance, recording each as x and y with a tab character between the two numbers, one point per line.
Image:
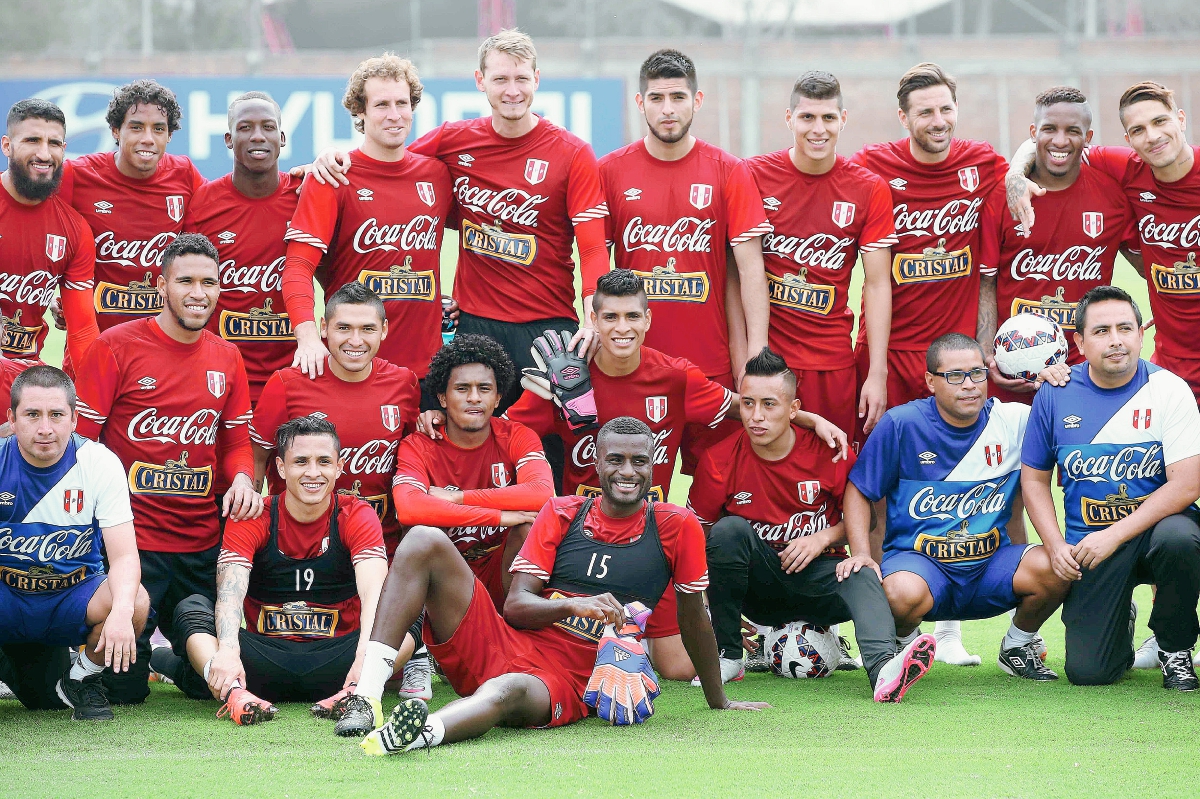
970	732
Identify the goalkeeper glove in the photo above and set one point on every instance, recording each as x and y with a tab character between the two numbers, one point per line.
623	685
563	378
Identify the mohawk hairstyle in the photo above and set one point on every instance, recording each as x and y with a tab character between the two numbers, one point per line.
619	283
466	349
143	92
769	363
667	63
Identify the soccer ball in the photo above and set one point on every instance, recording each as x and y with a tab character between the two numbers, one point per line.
1028	343
801	650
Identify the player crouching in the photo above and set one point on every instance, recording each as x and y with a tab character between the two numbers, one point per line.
583	559
308	575
54	592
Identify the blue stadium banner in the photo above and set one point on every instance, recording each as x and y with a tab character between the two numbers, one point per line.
313	116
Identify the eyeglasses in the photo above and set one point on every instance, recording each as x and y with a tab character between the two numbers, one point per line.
955	377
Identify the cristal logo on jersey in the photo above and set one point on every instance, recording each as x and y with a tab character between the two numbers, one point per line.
499	475
1113	508
1141	419
297	620
993	454
843	214
664	284
968	178
656	408
958	545
73	501
378	502
933	264
1093	223
257	324
426	193
535	170
175	207
796	292
1050	306
56	247
391	417
216	384
400	282
809	490
175	478
1183	277
19	339
137	297
38	579
701	195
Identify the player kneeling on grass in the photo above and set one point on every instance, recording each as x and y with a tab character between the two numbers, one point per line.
949	466
584	559
65	494
773	553
308	575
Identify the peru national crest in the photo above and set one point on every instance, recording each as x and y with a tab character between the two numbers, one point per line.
809	490
1093	223
499	475
56	247
175	207
993	454
425	192
968	178
656	408
391	417
73	500
843	214
701	195
535	170
216	384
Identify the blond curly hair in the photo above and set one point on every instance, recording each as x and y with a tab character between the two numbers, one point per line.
388	65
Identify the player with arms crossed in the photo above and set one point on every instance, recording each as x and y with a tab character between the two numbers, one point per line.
382	226
825	211
531	667
949	468
307	574
770	500
1125	435
55	591
246	214
1083	220
44	242
939	187
486	478
171	400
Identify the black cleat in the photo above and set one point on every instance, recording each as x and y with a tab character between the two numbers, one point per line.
1178	672
358	716
1026	662
87	697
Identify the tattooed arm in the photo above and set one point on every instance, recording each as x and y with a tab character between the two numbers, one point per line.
225	669
1019	190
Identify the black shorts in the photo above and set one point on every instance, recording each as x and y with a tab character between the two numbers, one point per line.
516	338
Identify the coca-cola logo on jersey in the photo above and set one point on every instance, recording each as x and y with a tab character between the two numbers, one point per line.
418	233
1178	234
199	428
819	249
146	254
249	279
687	234
956	216
799	525
1075	263
583	454
374	457
506	205
35	288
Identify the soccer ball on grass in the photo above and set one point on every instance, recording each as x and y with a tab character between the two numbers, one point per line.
802	650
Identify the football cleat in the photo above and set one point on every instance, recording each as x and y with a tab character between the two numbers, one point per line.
164	664
417	680
6	692
405	725
1039	646
87	697
359	716
1026	662
846	662
1178	672
332	707
245	708
756	661
731	671
1146	656
909	665
950	648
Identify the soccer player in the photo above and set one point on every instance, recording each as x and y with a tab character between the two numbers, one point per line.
372	402
171	400
1125	435
307	575
43	241
486	478
825	212
939	187
532	670
675	203
56	591
382	227
1084	219
770	501
949	468
524	189
246	214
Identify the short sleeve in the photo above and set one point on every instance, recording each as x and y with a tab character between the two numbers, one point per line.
708	494
243	539
429	144
541	546
877	471
704	401
1181	427
362	533
744	206
879	230
112	497
269	413
689	566
841	473
1112	161
1037	445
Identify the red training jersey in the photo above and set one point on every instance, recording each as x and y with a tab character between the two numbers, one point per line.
132	221
384	230
370	416
682	543
9	369
42	247
783	500
937	210
1071	250
1168	221
665	392
167	409
248	233
358	529
518	201
820	223
670	222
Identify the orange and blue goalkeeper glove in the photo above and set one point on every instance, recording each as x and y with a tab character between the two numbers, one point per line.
623	685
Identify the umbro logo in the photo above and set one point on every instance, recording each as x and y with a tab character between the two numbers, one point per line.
899	184
927	458
319	415
226	236
147	383
742	498
633	194
103	207
365	195
771	204
1147	197
1071	422
466	159
6	498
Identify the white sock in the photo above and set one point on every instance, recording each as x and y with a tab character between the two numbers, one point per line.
208	667
948	629
379	662
84	667
437	733
1016	637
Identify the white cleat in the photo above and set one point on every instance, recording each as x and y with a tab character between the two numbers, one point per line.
950	647
1146	656
731	671
417	681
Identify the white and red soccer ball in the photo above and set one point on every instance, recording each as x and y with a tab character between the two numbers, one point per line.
1028	343
801	650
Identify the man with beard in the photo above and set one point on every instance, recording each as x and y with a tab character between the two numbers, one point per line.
44	242
171	400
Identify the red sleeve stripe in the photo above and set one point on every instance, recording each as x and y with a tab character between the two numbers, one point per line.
70	284
887	241
367	554
257	439
88	413
724	409
598	212
693	587
404	479
233	558
760	230
304	238
531	457
522	566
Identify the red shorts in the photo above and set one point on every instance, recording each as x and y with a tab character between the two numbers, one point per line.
699	437
1187	368
484	647
832	394
488	571
905	380
664	621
